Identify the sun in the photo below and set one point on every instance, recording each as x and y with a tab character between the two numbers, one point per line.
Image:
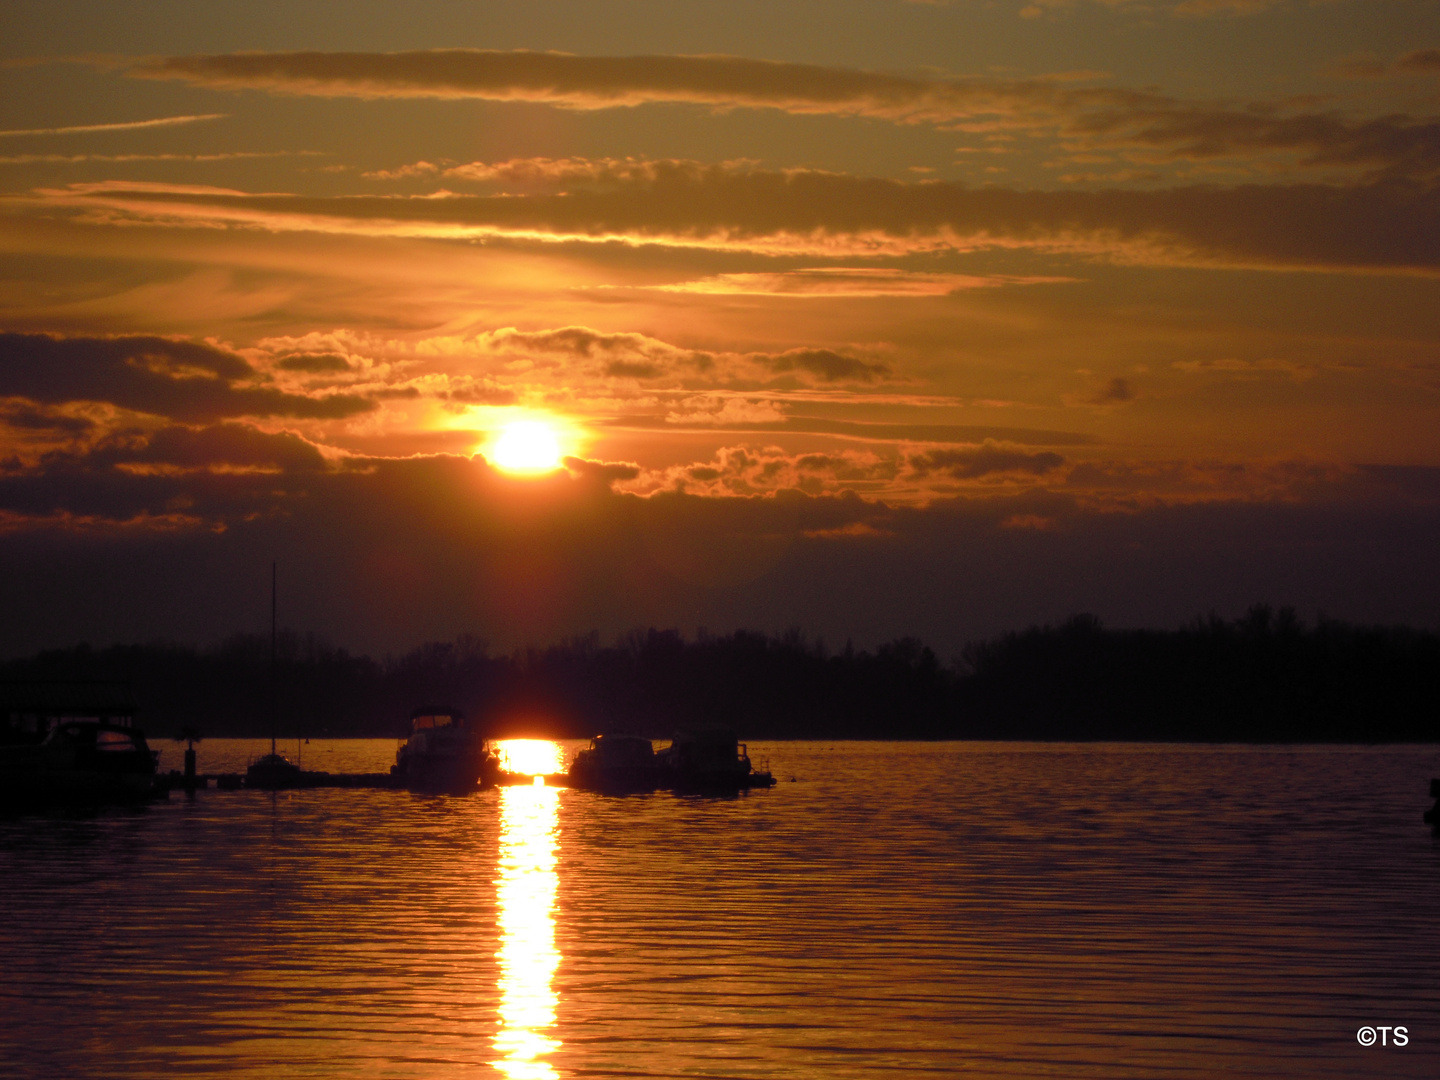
527	446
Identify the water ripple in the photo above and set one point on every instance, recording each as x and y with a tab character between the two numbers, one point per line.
907	910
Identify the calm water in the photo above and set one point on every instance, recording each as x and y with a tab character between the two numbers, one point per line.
898	910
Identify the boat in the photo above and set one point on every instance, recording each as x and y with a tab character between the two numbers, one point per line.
710	759
444	753
616	764
84	762
274	772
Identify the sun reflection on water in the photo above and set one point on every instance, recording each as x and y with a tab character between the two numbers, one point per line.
525	889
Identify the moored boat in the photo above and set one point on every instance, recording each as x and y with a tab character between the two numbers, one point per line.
274	772
709	759
79	762
616	764
444	753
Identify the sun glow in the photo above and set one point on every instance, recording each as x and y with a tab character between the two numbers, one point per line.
530	756
527	446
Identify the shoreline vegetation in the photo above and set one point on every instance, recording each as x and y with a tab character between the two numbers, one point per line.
1265	677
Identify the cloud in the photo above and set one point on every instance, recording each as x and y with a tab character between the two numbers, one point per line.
1115	392
464	390
1419	62
745	471
1172	128
1203	8
828	281
130	125
24	416
897	477
880	432
1178	8
725	412
636	356
183	380
315	363
989	458
1390	225
1415	62
175	478
443	546
542	172
597	82
419	168
1381	147
233	445
604	472
829	365
81	159
1247	369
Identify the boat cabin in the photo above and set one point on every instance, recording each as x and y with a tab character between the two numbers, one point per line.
100	744
430	717
622	750
31	710
707	749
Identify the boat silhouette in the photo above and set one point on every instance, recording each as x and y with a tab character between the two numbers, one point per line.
710	759
444	754
699	760
79	762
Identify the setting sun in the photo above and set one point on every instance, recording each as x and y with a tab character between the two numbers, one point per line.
527	446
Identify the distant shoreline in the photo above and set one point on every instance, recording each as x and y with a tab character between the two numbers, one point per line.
1263	679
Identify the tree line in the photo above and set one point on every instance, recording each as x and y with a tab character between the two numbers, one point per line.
1264	677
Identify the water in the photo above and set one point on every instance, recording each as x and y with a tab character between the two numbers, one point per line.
979	910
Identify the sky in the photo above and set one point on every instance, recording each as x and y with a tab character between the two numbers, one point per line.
865	317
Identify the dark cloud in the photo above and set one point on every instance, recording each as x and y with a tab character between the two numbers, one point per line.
606	472
636	356
174	477
769	470
183	380
971	463
1115	392
1386	225
1420	62
628	369
237	445
26	417
595	82
1384	147
872	431
403	551
829	365
1389	145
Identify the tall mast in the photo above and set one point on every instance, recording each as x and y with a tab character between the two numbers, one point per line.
273	704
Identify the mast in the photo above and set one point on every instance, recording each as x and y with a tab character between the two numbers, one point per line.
273	703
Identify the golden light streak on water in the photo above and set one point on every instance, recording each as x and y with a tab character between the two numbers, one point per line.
525	891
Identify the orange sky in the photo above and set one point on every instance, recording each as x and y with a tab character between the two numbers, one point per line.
885	269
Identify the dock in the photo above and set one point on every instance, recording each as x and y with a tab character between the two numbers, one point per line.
175	780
